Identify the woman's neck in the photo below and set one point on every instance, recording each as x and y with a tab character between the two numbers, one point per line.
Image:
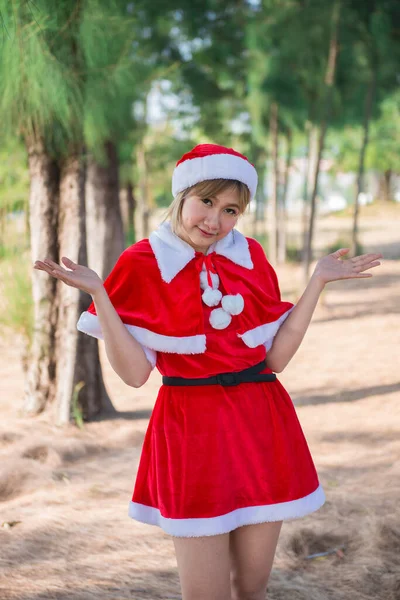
183	236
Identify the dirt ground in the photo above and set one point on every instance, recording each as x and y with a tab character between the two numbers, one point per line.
64	494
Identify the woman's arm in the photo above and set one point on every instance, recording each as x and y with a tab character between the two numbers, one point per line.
293	329
125	354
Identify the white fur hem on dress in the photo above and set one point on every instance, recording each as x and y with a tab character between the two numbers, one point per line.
284	511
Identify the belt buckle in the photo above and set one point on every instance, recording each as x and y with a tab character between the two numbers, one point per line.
227	379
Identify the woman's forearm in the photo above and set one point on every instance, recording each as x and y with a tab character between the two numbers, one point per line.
125	354
293	329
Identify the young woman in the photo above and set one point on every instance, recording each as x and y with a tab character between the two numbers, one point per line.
224	460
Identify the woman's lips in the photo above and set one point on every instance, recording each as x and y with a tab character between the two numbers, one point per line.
207	234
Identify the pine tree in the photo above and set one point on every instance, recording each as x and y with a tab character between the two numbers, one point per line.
67	81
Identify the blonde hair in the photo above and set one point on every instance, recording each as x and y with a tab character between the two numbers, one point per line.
206	189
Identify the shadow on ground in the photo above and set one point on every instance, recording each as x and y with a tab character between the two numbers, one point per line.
345	395
144	585
131	415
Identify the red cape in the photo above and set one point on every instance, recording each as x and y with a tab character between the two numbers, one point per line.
155	290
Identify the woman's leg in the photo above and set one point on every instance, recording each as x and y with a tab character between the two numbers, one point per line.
204	567
252	550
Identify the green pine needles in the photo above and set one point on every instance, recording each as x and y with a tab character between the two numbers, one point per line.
68	73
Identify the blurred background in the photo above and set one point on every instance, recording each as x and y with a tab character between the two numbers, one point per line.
98	100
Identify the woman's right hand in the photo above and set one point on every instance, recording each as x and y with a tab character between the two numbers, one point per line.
77	276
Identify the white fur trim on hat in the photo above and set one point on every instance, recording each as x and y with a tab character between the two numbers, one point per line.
214	166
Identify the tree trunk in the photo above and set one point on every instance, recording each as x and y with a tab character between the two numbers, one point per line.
93	397
312	139
329	87
70	244
386	185
43	219
105	235
272	213
360	178
255	217
282	221
143	205
77	355
128	204
258	215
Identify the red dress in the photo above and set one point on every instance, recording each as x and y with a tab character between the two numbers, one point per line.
215	458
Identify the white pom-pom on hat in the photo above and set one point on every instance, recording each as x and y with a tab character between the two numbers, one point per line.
233	305
211	297
219	318
204	280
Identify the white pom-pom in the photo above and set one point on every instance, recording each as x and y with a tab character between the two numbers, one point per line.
233	304
211	297
219	318
204	280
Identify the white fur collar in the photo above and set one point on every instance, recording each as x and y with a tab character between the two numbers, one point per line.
173	254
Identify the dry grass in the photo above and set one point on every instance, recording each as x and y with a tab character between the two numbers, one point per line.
65	494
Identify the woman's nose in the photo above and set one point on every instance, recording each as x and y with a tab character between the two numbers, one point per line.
212	220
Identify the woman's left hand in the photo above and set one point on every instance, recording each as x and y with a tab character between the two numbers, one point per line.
332	268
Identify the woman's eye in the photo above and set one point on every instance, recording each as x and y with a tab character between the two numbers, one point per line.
208	202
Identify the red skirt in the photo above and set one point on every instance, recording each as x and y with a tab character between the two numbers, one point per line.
216	458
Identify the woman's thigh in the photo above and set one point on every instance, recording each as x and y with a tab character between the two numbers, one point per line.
252	551
204	567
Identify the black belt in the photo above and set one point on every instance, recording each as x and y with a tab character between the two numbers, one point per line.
246	376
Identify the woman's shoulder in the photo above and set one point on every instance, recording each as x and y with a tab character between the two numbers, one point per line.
253	243
139	250
139	255
256	249
138	247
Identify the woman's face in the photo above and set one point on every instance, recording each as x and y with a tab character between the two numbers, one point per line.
204	221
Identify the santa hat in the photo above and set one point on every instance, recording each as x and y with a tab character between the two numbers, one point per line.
210	161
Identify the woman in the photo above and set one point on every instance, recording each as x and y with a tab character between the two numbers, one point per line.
224	460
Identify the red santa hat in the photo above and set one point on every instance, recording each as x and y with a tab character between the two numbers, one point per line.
210	161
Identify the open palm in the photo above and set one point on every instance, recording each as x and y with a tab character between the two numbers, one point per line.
75	275
332	268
